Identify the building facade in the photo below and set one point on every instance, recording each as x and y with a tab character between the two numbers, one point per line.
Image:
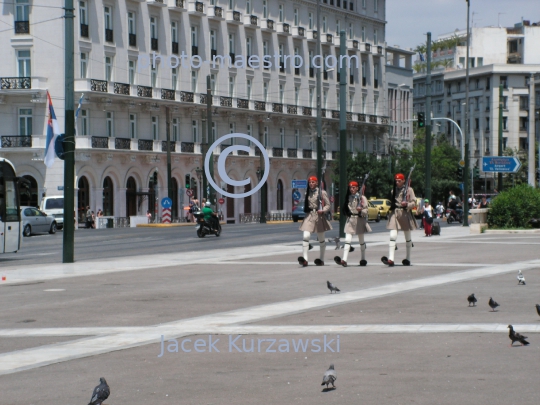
135	60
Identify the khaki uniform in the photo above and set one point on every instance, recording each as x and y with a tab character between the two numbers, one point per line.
402	218
313	222
356	224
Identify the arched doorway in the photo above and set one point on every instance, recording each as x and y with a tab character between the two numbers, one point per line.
131	197
174	198
108	197
247	200
279	195
230	205
152	188
83	197
29	194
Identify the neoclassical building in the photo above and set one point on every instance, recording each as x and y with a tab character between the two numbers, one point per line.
135	60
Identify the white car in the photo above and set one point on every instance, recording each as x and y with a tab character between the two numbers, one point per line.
35	221
54	207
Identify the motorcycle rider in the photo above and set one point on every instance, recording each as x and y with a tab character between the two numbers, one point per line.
210	216
454	206
439	209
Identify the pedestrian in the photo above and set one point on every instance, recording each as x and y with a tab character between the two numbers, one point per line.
427	217
99	213
93	220
483	203
88	218
400	218
194	208
356	210
149	216
439	209
315	206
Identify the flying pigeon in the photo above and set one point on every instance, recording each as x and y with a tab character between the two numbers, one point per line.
329	377
492	304
332	287
538	309
101	393
516	337
472	300
336	241
521	279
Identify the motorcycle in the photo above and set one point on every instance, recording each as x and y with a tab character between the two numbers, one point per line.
453	215
204	228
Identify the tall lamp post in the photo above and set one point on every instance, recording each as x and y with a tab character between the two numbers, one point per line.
200	185
467	130
319	91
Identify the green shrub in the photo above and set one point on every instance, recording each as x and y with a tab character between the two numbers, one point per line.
515	207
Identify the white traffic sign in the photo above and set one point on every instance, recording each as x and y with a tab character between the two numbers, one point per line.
189	192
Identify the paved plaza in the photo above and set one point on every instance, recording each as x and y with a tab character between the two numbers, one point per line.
247	325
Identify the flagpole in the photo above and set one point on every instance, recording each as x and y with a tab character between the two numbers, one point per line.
69	140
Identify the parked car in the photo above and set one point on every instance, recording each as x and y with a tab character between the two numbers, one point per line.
298	213
383	205
36	221
374	213
54	207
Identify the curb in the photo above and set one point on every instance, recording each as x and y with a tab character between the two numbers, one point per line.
169	225
503	231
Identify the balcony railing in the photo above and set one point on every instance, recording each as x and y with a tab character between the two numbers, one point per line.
307	153
22	27
121	88
236	16
277	152
286	28
335	114
187	147
218	12
243	153
367	47
329	38
260	105
84	30
301	31
277	107
307	111
362	117
292	153
270	24
203	98
223	147
108	35
355	44
199	7
132	40
253	19
292	109
144	91
122	143
385	120
179	3
379	50
164	146
323	113
23	141
242	103
186	97
146	144
167	94
349	116
373	119
225	101
14	83
101	142
335	154
99	85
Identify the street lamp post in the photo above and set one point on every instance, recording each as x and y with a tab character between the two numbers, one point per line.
200	185
467	129
319	91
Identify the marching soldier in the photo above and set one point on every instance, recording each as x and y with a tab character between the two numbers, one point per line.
356	209
403	201
316	206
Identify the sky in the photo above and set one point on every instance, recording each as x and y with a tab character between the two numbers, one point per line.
408	21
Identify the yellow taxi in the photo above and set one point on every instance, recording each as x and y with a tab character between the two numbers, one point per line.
374	213
419	204
383	205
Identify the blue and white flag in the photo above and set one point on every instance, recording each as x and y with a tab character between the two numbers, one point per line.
53	130
77	113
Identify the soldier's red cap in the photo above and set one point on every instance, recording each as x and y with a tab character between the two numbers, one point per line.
353	183
312	178
399	176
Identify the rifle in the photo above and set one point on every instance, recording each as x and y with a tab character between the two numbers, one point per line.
323	169
361	194
406	188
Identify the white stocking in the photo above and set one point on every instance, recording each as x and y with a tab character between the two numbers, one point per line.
322	244
408	243
392	246
362	245
305	244
347	247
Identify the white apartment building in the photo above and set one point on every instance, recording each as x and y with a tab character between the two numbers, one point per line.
120	142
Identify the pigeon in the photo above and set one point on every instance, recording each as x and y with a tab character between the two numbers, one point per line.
336	241
538	309
472	300
516	337
492	304
332	287
329	377
521	279
101	393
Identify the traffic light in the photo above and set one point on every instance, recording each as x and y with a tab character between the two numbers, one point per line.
155	178
476	172
421	120
460	173
188	177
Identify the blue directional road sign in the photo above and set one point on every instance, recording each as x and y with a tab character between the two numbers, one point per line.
296	195
166	202
299	184
500	164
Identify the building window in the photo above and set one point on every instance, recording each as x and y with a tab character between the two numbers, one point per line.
194	36
108	68
265	137
174	78
505	122
351	102
376	5
22	11
375	37
296	17
174	32
310	21
232	47
231	4
297	139
25	121
364	103
265	91
248	47
231	86
194	130
338	27
375	105
213	82
281	93
213	134
282	137
154	74
248	7
213	44
363	3
281	13
249	131
131	67
296	95
132	30
133	126
311	97
325	99
108	23
109	123
83	13
248	89
84	65
174	131
84	122
155	128
363	34
265	9
23	64
324	24
487	123
364	73
194	77
376	75
351	143
351	31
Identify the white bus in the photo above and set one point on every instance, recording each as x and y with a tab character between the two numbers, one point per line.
10	209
